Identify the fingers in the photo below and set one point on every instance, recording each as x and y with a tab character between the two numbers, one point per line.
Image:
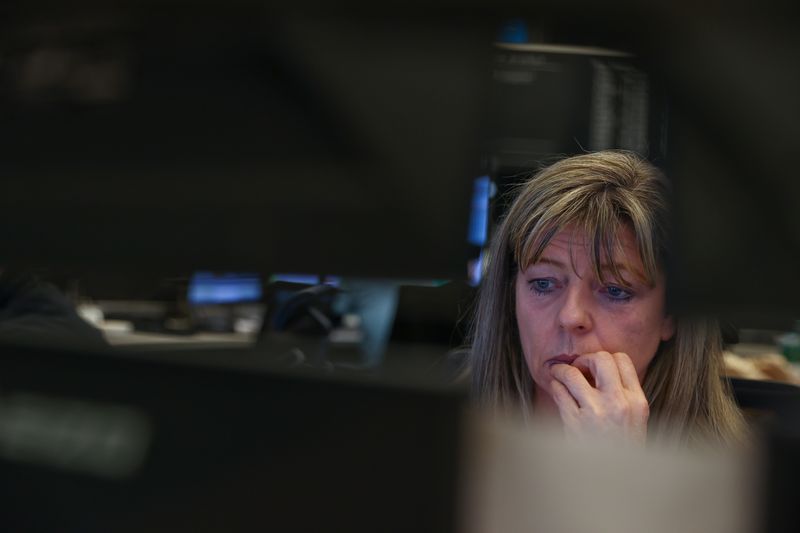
567	406
627	372
605	369
574	382
608	399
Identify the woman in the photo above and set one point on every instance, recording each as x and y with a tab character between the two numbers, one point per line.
572	318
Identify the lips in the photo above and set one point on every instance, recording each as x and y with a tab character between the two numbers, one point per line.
561	359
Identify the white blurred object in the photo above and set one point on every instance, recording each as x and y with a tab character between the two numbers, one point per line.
350	331
116	326
91	313
523	479
247	324
351	321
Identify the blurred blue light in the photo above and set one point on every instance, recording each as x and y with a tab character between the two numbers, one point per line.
207	288
479	215
476	271
514	31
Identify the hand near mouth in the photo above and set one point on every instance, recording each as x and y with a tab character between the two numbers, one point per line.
600	393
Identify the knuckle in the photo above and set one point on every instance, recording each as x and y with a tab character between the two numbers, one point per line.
619	399
644	407
615	405
618	408
595	411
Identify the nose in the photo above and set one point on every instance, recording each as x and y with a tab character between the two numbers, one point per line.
575	313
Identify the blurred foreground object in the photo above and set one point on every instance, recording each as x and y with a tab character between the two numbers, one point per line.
192	441
210	440
524	479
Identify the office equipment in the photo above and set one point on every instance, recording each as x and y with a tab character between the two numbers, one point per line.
254	137
551	100
93	442
184	441
206	288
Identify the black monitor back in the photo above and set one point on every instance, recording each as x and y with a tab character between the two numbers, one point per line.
109	443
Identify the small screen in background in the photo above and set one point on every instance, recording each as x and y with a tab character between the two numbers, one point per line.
482	191
478	234
207	288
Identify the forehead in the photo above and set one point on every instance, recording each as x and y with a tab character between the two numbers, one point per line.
572	246
577	241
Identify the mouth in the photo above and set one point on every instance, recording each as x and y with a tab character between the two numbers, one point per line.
563	359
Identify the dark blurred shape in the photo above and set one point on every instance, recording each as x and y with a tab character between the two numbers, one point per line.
723	93
238	137
775	407
351	321
433	314
196	448
513	31
307	310
548	101
734	139
253	137
35	311
768	401
783	469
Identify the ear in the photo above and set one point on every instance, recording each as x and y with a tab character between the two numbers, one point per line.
667	328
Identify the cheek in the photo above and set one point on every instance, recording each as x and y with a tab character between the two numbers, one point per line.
639	338
526	328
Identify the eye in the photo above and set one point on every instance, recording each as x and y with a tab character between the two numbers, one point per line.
542	285
617	294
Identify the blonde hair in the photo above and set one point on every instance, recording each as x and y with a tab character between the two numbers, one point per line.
597	193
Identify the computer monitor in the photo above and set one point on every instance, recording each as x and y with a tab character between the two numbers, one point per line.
150	442
186	442
207	288
162	140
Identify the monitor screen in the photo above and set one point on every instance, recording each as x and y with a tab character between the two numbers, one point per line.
207	288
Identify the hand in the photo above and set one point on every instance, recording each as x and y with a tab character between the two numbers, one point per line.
600	394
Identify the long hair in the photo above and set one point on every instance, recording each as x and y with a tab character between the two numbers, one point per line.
597	193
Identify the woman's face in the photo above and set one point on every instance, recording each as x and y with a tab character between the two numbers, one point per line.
564	311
